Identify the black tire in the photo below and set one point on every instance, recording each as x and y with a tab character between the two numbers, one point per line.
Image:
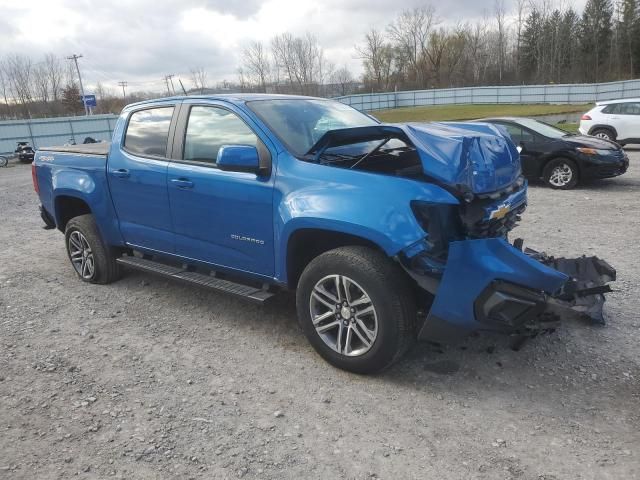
568	180
105	268
604	133
391	295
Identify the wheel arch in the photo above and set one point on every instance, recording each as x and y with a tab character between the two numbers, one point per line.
305	244
600	126
67	207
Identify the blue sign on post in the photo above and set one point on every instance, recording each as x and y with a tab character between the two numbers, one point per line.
90	100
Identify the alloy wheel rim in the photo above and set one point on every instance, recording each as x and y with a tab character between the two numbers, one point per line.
81	255
603	135
343	315
561	175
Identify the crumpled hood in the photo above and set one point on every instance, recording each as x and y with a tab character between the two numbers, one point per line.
478	156
470	157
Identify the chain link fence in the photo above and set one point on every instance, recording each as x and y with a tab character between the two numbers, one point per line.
524	94
46	132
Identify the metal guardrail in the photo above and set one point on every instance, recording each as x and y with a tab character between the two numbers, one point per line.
47	132
556	94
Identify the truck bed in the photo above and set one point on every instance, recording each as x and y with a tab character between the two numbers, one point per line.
101	148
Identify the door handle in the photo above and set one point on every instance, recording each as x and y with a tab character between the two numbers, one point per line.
182	182
120	173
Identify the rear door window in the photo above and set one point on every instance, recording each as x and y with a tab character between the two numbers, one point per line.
148	132
631	108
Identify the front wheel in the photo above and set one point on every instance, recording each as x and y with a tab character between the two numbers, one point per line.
561	173
91	259
356	308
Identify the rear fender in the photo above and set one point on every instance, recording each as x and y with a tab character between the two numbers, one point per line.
90	187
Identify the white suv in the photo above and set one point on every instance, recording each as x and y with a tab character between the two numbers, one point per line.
617	120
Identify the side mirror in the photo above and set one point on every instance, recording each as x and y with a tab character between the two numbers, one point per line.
239	158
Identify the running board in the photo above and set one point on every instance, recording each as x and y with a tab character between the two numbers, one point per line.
256	295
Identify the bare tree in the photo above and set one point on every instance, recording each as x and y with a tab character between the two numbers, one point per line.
242	79
411	32
199	78
256	62
377	56
343	79
454	52
476	49
54	73
300	62
520	11
4	86
19	70
41	84
501	36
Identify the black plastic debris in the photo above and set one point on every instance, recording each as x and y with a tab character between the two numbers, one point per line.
584	293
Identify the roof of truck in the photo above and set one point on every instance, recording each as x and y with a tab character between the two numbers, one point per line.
231	97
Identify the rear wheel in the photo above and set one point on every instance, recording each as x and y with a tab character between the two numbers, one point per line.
91	259
561	173
356	308
604	133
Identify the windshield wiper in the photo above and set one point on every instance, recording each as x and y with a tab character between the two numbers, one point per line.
368	154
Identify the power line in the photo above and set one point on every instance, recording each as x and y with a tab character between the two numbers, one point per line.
75	58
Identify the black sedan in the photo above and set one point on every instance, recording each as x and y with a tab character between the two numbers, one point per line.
562	159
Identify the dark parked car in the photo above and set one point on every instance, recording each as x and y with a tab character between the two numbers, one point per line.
25	152
560	158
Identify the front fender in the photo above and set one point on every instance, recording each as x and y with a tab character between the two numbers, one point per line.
371	206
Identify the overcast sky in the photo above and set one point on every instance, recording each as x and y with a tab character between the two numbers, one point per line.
142	40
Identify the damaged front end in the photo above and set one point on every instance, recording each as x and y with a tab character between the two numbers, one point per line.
475	279
479	281
489	284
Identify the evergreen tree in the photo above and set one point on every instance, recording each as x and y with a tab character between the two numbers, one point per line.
629	37
595	38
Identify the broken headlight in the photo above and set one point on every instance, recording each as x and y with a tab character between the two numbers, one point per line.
441	223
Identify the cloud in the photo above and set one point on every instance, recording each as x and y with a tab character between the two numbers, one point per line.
140	41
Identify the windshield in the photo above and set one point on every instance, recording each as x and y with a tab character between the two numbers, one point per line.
542	128
300	123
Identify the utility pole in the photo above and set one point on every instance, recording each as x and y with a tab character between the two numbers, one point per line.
166	81
124	94
170	77
75	58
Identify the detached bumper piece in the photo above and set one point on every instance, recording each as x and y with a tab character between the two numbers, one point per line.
583	293
489	284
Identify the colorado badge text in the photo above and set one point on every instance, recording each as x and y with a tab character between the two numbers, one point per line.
242	238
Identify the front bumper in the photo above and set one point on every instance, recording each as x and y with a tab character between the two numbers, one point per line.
604	167
489	284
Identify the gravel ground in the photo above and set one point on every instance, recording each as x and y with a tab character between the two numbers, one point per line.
150	379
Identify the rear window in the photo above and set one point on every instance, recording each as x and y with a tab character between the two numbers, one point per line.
148	132
613	108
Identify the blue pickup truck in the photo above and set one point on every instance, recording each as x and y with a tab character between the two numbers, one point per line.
388	233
